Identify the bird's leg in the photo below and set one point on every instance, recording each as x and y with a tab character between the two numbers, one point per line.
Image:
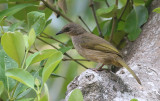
100	68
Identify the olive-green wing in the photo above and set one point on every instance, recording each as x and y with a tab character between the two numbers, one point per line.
103	47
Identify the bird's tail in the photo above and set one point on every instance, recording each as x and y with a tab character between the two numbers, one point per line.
122	62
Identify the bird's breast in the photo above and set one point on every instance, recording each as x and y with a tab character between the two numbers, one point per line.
76	40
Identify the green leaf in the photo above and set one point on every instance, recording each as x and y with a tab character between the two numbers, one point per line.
53	75
76	95
131	22
133	100
45	96
139	2
134	35
37	21
107	12
31	37
14	26
21	88
48	22
26	99
50	65
134	21
5	63
22	76
142	14
98	0
13	10
39	56
157	10
14	46
25	37
1	87
64	49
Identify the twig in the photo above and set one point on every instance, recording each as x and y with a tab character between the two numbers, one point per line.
113	24
56	11
64	53
75	59
51	37
113	28
94	14
123	11
84	23
107	3
46	42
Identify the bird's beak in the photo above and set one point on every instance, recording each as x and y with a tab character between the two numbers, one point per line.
60	32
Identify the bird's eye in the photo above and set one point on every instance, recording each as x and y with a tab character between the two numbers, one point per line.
67	29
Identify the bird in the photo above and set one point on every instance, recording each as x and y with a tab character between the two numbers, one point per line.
95	48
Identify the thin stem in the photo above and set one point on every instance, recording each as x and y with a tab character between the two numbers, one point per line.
14	89
56	11
75	59
84	23
46	42
113	28
123	11
114	23
24	60
107	3
64	53
51	37
94	14
8	88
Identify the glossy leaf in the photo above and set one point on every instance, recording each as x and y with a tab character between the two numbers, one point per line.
134	21
39	56
14	46
157	10
37	21
138	2
142	15
50	65
107	12
31	37
1	87
45	96
131	22
134	35
76	95
64	49
14	26
13	10
5	63
133	100
22	76
26	99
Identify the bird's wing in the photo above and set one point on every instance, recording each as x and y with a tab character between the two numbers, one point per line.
98	45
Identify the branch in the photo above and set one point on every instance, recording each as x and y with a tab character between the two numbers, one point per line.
51	37
123	11
64	53
94	14
107	3
113	28
84	23
114	23
56	11
75	59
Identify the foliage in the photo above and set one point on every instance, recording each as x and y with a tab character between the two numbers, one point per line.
24	22
76	95
133	100
157	10
16	45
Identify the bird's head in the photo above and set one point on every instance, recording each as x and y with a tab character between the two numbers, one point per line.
72	29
